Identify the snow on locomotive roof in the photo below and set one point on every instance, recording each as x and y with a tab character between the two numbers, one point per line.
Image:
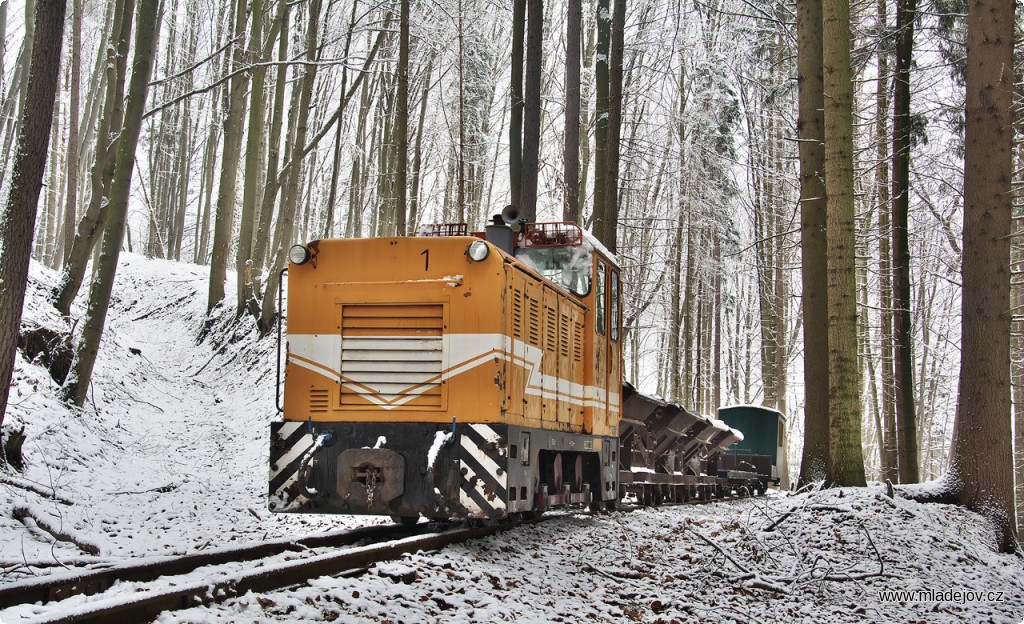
596	244
752	406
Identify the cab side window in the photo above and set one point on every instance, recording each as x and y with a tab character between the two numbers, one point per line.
599	299
615	312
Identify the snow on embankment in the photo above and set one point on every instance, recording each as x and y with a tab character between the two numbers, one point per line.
168	453
818	557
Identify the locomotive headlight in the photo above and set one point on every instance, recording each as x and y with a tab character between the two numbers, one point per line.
298	254
478	251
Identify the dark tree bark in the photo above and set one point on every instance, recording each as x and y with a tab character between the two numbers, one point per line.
811	131
515	126
402	123
981	458
606	228
19	217
77	385
571	154
531	116
604	33
889	456
417	160
906	418
846	461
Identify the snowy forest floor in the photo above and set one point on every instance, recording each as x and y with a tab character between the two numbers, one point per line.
169	456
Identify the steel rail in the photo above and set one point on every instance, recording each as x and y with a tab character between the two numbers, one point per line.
52	588
137	608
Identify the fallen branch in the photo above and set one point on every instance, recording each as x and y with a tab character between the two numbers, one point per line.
163	489
718	548
781	519
35	488
26	515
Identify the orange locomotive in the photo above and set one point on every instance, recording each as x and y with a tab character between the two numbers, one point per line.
451	376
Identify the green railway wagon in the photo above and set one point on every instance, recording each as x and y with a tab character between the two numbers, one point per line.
763	443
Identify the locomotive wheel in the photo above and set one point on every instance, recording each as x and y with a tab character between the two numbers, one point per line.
406	521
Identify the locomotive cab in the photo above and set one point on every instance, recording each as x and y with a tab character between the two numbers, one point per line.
450	375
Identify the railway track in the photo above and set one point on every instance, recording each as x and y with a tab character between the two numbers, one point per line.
62	599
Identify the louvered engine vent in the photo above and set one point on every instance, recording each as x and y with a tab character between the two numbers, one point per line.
392	355
319	400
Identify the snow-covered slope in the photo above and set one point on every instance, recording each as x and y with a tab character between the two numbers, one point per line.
169	454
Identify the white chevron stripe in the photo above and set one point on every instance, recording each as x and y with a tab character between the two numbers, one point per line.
295	452
321	353
485	462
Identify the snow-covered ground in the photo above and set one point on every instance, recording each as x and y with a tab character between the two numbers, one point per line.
825	562
169	456
170	452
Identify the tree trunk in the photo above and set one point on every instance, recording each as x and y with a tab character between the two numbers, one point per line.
18	93
46	235
846	463
336	164
889	459
91	224
601	85
1017	330
571	153
77	385
251	181
417	161
675	386
716	364
906	418
688	310
262	244
588	58
402	124
981	461
606	228
532	110
810	129
289	202
3	37
515	126
233	125
19	215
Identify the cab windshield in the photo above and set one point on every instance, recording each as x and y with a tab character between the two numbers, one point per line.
569	267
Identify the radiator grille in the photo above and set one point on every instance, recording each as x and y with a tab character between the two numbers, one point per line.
392	355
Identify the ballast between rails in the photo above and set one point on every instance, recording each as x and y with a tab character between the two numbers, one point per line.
144	606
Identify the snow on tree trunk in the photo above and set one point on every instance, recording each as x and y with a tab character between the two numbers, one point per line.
981	462
19	214
77	385
846	462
